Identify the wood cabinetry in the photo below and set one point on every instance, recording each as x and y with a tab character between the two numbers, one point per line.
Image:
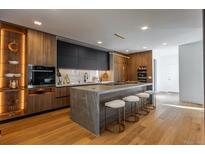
49	98
62	97
12	75
38	101
41	48
140	59
120	67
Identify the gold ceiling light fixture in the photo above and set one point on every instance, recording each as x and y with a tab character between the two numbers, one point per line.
119	36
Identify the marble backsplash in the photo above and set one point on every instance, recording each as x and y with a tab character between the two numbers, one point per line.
73	76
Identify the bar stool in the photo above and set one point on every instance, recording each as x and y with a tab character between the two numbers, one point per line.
117	105
143	102
132	101
153	99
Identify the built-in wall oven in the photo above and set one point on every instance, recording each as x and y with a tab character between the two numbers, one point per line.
41	76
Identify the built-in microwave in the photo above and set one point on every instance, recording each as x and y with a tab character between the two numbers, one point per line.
41	76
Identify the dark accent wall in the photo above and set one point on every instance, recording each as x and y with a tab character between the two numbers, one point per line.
74	56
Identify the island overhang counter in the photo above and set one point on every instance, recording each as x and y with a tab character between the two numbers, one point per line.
87	102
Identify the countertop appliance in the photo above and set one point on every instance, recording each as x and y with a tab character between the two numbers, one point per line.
41	76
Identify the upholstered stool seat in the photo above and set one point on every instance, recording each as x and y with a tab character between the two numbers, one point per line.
143	95
149	92
132	101
116	105
131	98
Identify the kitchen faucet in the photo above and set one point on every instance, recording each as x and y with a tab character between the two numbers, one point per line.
85	77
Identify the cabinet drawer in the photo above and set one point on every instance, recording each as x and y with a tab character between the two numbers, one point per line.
40	102
61	102
62	92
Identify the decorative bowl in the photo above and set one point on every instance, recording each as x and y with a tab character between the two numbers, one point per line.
9	75
13	62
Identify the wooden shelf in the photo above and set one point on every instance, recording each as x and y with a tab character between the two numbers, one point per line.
8	115
142	77
12	100
11	90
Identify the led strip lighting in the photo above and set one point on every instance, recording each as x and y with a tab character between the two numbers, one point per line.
1	68
23	72
22	93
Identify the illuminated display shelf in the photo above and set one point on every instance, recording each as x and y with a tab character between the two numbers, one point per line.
11	90
12	48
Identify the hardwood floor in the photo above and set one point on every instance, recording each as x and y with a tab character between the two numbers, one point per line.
171	123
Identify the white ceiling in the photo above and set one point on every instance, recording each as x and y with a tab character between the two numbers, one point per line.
172	26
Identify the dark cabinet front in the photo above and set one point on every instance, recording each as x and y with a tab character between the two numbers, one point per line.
67	55
87	58
102	61
73	56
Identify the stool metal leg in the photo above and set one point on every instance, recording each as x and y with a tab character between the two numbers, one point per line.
124	115
119	118
105	119
142	108
146	105
132	113
120	122
152	106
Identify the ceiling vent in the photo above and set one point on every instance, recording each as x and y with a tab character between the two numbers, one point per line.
119	36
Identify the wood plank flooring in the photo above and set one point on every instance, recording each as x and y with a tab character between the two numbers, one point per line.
171	123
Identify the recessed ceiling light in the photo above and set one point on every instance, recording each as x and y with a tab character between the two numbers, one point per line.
127	50
144	47
37	23
99	42
144	28
164	43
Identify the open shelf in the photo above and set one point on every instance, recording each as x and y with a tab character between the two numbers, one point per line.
12	92
142	74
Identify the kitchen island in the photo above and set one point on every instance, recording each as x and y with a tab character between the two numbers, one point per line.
87	102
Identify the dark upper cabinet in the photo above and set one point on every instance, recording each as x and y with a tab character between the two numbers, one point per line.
85	63
80	57
67	55
85	52
103	60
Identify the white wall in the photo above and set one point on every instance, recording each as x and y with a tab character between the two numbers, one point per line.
167	69
191	72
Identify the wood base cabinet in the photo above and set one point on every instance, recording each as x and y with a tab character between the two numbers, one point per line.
47	99
61	102
62	97
40	102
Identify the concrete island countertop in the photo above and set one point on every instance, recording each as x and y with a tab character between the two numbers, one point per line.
83	84
112	87
87	102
